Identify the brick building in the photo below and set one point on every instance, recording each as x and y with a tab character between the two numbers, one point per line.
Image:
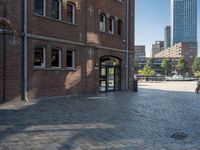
188	50
72	47
157	62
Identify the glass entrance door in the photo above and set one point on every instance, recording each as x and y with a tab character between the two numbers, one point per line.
110	72
109	78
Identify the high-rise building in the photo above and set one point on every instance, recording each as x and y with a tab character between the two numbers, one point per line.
183	21
157	47
167	37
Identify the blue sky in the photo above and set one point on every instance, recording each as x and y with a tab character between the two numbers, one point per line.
151	18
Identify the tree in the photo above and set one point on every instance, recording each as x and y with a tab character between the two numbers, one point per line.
196	65
165	65
150	62
147	71
181	66
136	65
197	73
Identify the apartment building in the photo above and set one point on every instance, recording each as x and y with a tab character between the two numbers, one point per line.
66	48
188	50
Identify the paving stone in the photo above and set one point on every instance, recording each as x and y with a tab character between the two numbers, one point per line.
109	121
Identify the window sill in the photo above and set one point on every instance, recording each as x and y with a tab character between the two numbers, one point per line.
111	34
55	69
39	67
57	20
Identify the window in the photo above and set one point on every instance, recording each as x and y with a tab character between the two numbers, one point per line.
39	57
102	23
56	9
111	25
56	58
39	8
71	13
119	27
70	59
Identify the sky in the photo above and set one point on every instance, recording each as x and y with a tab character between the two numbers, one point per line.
151	18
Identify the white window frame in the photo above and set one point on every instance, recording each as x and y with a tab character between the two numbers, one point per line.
43	65
73	59
44	7
113	25
73	12
59	55
102	25
60	10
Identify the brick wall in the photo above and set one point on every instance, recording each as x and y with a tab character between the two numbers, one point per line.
51	33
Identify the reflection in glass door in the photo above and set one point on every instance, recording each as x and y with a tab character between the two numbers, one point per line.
103	78
111	79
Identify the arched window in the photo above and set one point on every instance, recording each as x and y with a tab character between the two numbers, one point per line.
102	23
111	25
56	9
71	13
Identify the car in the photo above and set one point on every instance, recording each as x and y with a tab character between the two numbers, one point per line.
177	77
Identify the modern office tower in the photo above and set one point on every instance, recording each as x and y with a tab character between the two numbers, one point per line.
167	37
157	47
183	21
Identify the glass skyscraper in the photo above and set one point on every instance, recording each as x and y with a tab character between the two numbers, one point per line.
183	21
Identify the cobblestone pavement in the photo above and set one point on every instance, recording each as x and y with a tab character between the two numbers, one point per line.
161	116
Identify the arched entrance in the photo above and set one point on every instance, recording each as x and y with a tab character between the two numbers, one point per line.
110	74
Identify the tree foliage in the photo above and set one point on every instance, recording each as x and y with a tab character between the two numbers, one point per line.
196	65
150	62
197	73
181	67
147	71
166	66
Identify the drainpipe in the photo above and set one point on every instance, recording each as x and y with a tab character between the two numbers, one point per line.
127	42
25	53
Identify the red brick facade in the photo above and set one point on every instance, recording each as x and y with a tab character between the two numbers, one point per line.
84	37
